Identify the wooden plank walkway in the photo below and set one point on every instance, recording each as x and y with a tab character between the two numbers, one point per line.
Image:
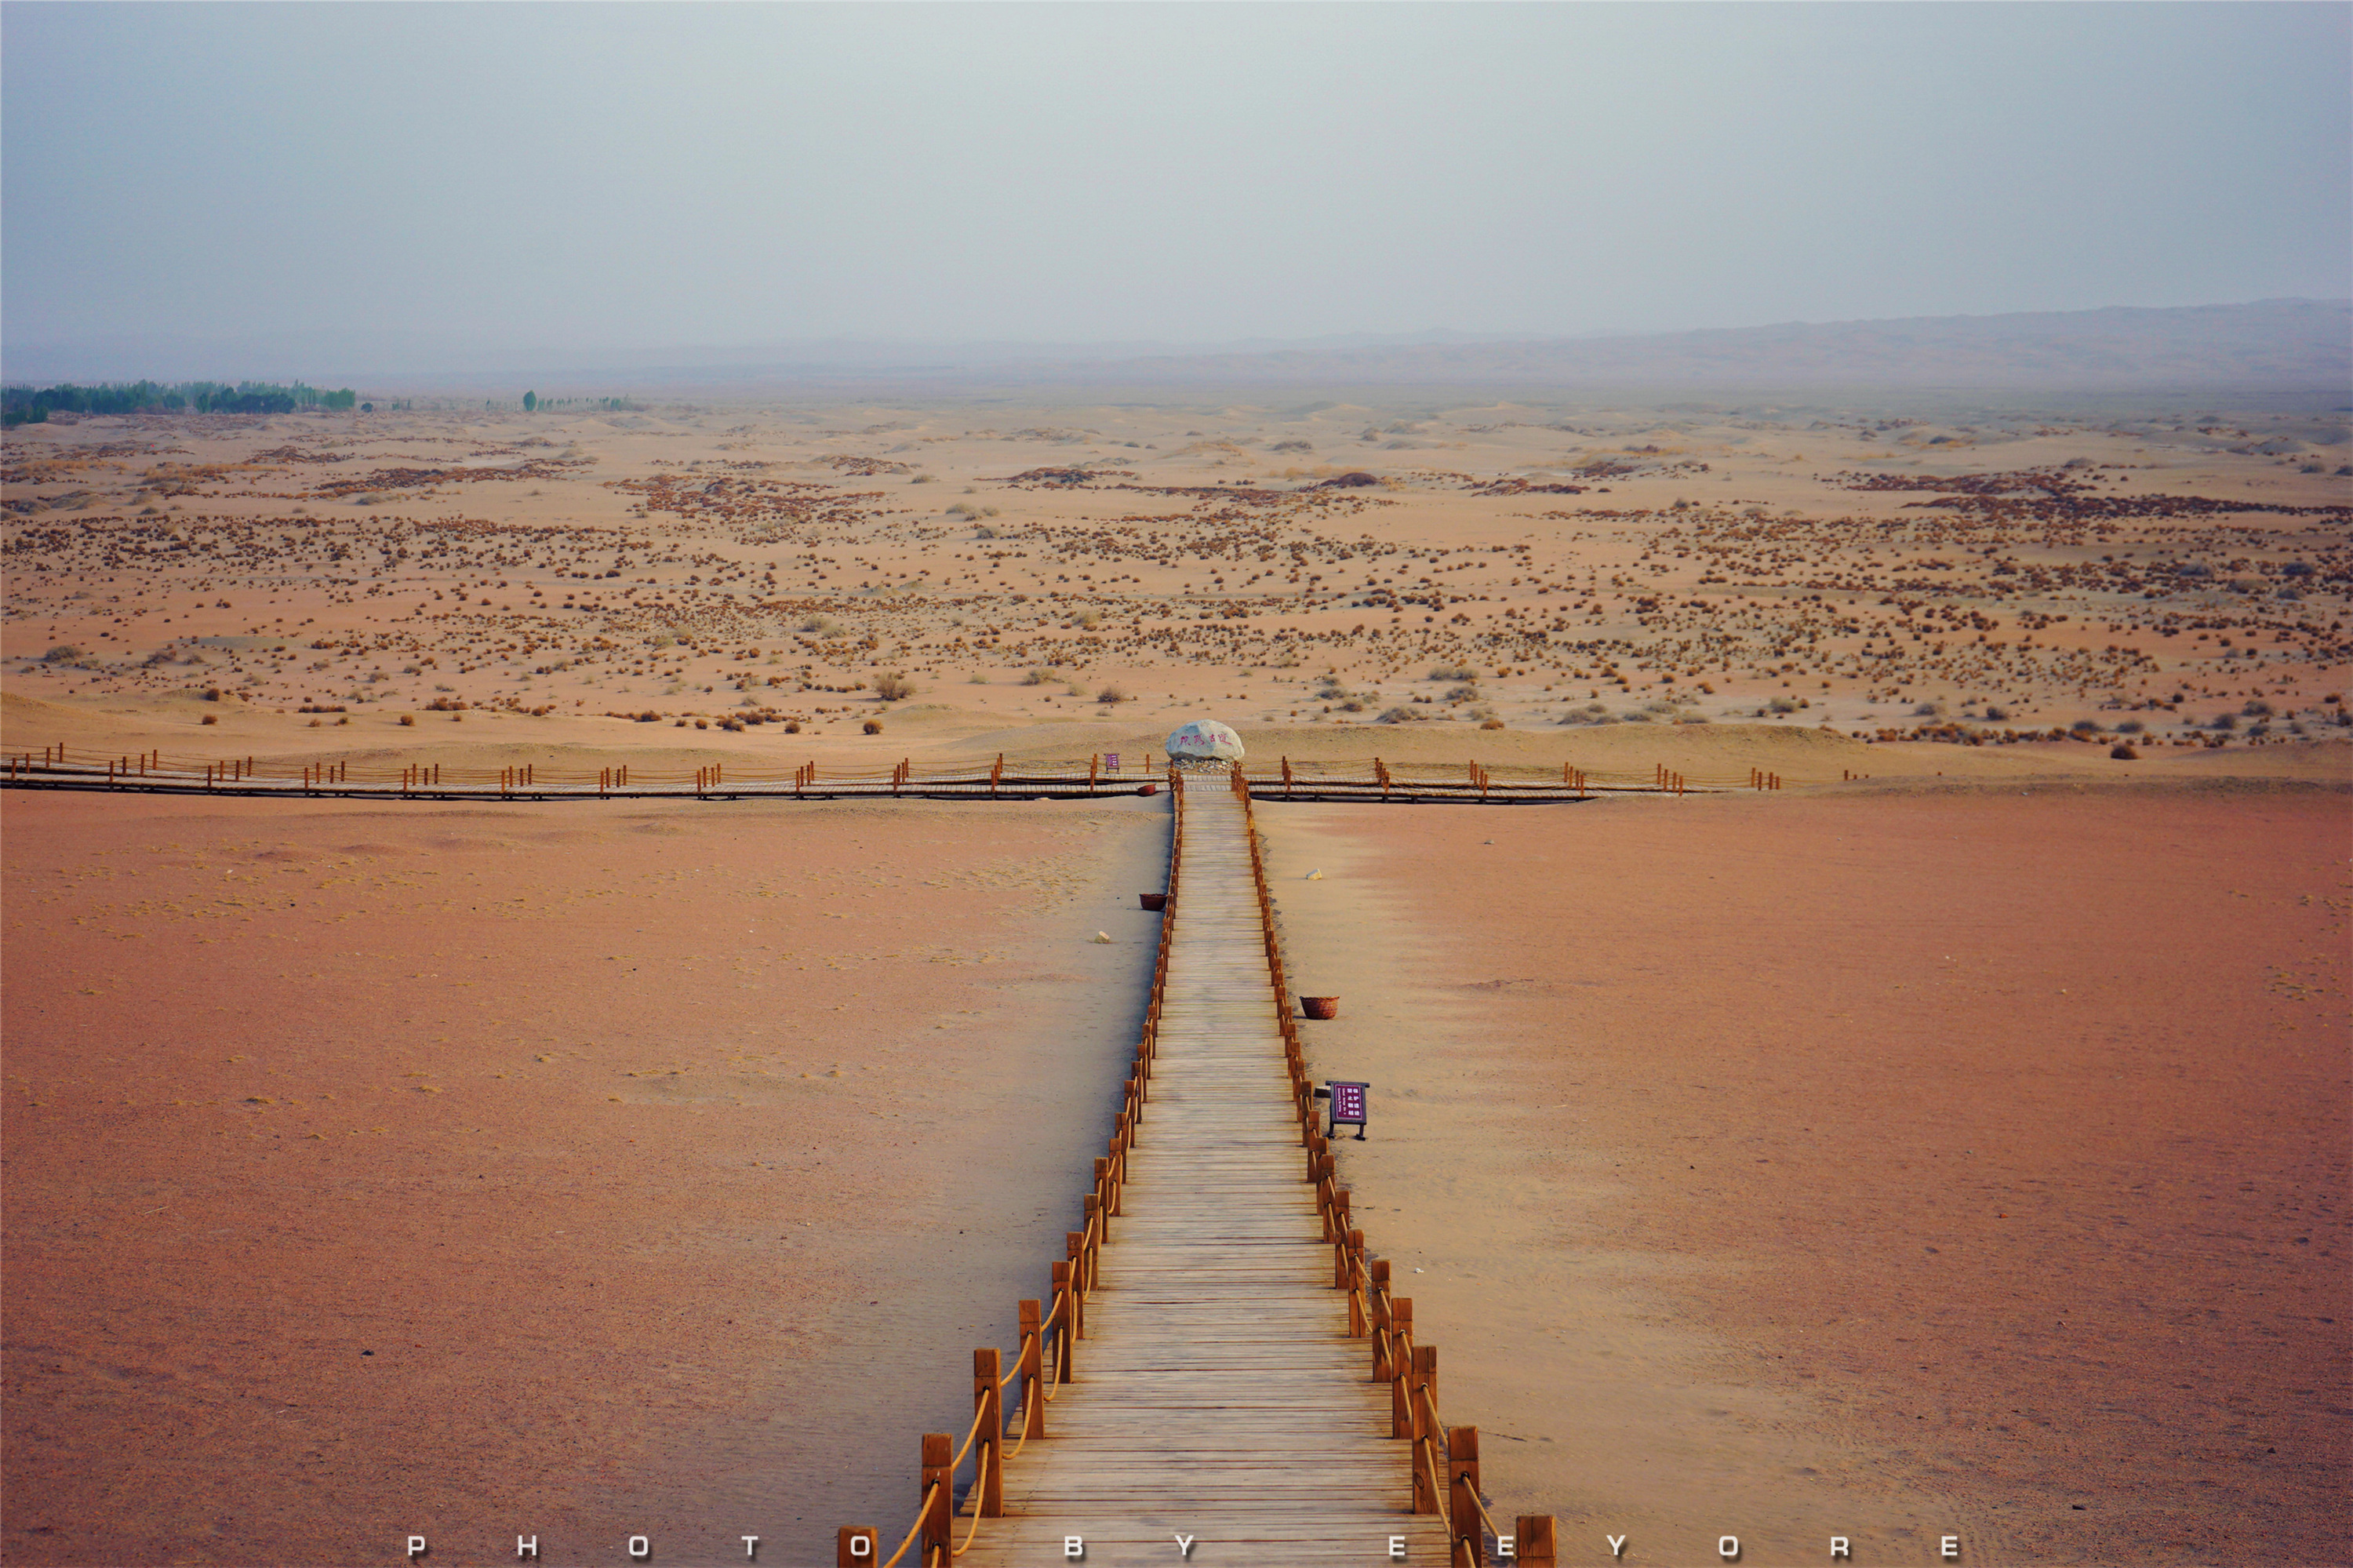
1218	1393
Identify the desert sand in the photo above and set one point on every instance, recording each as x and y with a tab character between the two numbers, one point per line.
567	579
1690	1110
579	1175
1894	1162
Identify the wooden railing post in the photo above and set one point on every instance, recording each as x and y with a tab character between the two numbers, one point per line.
856	1546
1033	1367
1533	1544
936	1539
988	1404
1064	1298
1356	1285
1462	1497
1422	1395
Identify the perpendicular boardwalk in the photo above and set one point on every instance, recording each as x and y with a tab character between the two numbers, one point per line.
1218	1393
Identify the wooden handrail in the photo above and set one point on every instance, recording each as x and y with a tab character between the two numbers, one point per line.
1410	1369
1070	1280
63	767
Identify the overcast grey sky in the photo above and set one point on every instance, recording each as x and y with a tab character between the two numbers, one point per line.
603	177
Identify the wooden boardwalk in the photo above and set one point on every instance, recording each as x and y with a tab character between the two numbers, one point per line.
1218	1393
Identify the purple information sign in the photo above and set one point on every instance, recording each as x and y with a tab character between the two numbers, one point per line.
1348	1106
1111	761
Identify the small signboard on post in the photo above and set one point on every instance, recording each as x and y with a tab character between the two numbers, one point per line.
1348	1106
1111	761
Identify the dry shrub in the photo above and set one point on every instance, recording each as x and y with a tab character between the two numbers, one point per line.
894	686
1491	724
792	726
874	726
1111	695
2124	753
212	718
408	721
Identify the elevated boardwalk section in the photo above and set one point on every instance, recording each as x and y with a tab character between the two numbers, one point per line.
372	779
1218	1374
1221	1394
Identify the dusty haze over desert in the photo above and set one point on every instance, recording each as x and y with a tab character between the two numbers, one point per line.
1950	1142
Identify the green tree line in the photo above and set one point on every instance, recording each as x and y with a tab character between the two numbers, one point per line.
29	405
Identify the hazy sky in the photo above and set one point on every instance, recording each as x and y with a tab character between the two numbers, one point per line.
598	175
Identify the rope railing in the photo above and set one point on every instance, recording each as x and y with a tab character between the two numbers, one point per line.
1444	1461
1046	1333
60	767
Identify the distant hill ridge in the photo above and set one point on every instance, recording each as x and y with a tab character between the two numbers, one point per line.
2279	344
2294	346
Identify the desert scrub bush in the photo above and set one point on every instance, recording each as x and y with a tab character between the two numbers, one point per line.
212	718
2256	708
978	678
924	479
792	726
2084	727
1037	676
1462	694
1996	712
1452	672
2123	753
822	625
893	687
1490	723
2226	721
2130	726
1400	715
1113	695
874	727
984	532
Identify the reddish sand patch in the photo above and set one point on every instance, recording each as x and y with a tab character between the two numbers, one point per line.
476	1173
1886	1165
